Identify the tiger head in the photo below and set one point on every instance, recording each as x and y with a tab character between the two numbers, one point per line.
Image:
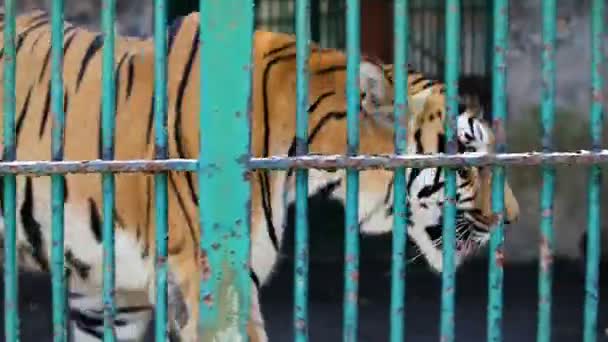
426	135
327	136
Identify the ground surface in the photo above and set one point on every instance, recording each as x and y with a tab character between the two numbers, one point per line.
422	304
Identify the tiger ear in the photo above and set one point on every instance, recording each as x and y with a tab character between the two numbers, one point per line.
376	101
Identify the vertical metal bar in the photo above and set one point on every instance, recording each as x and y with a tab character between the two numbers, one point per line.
107	134
546	225
11	287
351	270
499	109
57	195
452	57
595	180
301	234
160	179
398	271
225	145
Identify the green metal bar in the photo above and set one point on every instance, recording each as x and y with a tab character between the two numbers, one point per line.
398	266
57	181
160	179
108	14
452	54
595	180
547	192
499	110
351	269
11	287
225	145
301	234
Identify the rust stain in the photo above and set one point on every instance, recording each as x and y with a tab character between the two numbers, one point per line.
499	256
208	300
546	256
205	266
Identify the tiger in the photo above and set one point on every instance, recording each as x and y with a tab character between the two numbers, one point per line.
272	116
427	106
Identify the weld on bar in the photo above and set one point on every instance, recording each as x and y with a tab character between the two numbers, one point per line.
398	265
11	299
448	281
594	191
499	110
301	234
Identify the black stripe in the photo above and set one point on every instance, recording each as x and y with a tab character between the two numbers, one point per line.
323	121
255	279
413	175
178	110
65	189
389	190
149	195
150	120
45	65
330	69
48	54
263	179
131	72
441	143
69	41
36	41
429	190
117	82
418	139
182	206
23	112
263	174
45	111
314	105
31	227
279	49
26	32
94	46
95	220
173	31
80	267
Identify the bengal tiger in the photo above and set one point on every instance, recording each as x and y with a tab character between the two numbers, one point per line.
273	127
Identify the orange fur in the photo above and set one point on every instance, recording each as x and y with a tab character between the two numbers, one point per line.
134	139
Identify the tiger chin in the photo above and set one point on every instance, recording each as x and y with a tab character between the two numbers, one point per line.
272	134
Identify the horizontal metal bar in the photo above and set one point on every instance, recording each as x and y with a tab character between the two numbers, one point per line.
43	168
389	162
360	162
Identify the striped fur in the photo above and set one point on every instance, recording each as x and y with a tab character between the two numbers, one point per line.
273	133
